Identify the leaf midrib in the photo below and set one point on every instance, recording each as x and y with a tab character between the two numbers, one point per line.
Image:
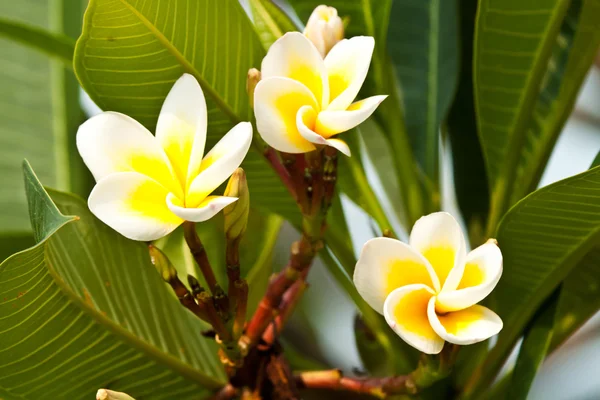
121	333
206	87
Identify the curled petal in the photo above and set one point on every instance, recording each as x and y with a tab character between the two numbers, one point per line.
276	105
387	264
483	269
220	163
440	239
347	65
340	145
294	56
305	120
468	326
331	123
405	311
112	142
181	127
133	205
207	209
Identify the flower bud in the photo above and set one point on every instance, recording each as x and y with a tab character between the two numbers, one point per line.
105	394
163	265
251	82
236	214
324	28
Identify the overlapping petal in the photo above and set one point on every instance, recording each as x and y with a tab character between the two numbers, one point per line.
207	209
294	56
468	326
331	123
134	205
181	127
347	65
112	142
276	105
219	163
483	269
440	239
386	264
405	311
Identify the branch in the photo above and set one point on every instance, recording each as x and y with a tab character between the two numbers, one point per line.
199	253
288	304
377	387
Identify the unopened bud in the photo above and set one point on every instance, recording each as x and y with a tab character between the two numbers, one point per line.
162	263
105	394
236	214
324	28
251	82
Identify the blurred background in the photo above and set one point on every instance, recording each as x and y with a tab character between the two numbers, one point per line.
30	83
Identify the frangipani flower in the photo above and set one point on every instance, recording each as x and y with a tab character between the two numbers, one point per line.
428	289
324	28
304	100
148	185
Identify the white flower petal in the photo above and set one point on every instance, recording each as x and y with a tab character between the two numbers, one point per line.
405	311
220	162
133	205
440	239
305	120
181	127
207	209
340	145
347	65
386	264
294	56
468	326
483	269
331	123
276	104
112	142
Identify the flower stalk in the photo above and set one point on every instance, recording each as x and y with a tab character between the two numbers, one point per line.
199	254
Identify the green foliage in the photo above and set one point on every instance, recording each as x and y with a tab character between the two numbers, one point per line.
542	239
96	312
40	103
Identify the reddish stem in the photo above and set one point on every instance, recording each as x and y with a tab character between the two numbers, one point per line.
271	156
288	304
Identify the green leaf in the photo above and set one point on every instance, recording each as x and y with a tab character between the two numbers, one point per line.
513	43
572	55
423	45
85	309
542	238
468	166
131	52
40	103
270	21
533	349
55	45
580	294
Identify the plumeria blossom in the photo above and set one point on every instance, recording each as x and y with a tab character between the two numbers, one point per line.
303	100
428	290
324	28
148	185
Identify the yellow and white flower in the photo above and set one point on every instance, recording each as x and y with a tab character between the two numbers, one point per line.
148	185
303	100
324	28
428	289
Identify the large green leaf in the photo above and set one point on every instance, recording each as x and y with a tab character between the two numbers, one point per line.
40	112
131	52
470	180
270	21
423	45
580	294
572	55
85	309
542	239
513	43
